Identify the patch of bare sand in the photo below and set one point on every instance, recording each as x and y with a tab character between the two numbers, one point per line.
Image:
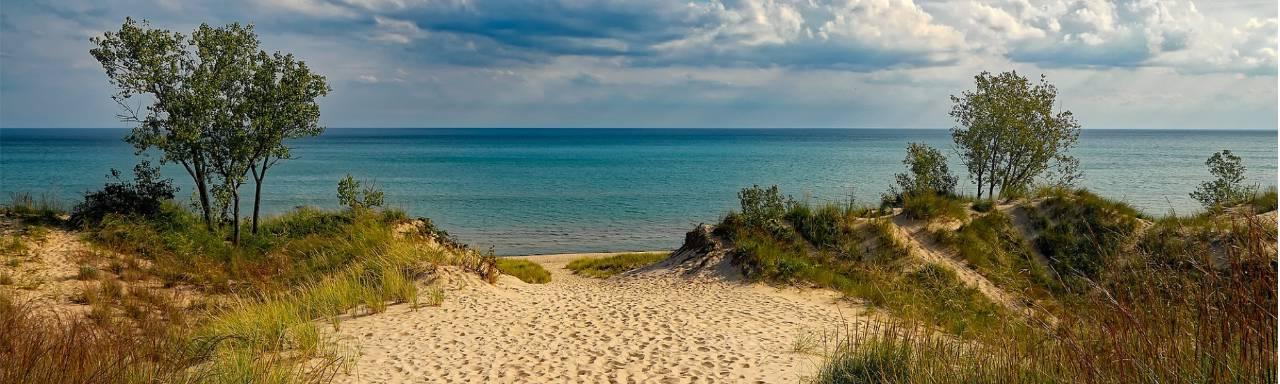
650	327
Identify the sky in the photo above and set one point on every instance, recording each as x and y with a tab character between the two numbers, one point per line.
668	63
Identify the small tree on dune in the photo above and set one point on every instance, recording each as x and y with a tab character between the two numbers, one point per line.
1228	186
927	171
1007	133
358	195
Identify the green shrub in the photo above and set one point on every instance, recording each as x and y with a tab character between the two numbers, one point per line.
143	196
525	270
761	206
983	205
603	267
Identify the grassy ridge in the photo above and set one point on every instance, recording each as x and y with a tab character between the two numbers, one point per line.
1188	299
604	267
834	246
255	317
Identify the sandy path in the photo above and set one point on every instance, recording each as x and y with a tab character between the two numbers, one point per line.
913	234
651	328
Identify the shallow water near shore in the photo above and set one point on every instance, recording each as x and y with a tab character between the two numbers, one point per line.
533	191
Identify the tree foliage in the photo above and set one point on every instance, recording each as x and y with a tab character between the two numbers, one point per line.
358	195
1007	133
927	172
214	103
1228	185
761	205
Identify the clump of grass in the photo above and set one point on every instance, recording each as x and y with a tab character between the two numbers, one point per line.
87	272
525	270
6	278
930	206
1081	232
45	207
603	267
435	296
1264	201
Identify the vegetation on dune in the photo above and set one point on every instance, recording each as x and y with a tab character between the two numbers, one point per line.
1081	232
1144	320
216	104
525	270
250	310
832	246
604	267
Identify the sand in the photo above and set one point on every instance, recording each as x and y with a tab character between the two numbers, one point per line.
640	328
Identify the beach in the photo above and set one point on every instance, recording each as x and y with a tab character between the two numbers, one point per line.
648	327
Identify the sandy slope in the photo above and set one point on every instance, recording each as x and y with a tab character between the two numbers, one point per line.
646	328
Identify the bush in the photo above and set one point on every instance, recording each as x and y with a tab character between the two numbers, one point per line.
603	267
984	205
143	197
525	270
761	206
351	194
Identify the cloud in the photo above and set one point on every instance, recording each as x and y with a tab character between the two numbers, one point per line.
1125	33
870	63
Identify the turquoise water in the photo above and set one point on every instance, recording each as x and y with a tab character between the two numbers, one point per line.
573	190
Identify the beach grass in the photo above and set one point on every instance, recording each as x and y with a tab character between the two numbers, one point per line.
604	267
525	270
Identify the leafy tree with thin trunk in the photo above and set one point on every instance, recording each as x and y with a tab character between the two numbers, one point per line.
159	64
927	171
1228	185
283	98
1007	133
225	72
218	105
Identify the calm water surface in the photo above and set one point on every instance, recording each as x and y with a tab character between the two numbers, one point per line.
571	190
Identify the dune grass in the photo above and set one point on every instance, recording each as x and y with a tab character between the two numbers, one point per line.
832	246
604	267
255	317
1208	317
525	270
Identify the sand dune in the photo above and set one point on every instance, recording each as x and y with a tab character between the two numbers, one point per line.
645	328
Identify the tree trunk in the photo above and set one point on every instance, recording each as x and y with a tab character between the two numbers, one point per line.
203	188
235	215
257	199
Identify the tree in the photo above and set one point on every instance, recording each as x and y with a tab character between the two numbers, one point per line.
140	60
283	97
219	106
224	73
1228	187
1007	133
351	194
927	172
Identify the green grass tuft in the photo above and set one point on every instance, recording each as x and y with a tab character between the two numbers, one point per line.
603	267
525	270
